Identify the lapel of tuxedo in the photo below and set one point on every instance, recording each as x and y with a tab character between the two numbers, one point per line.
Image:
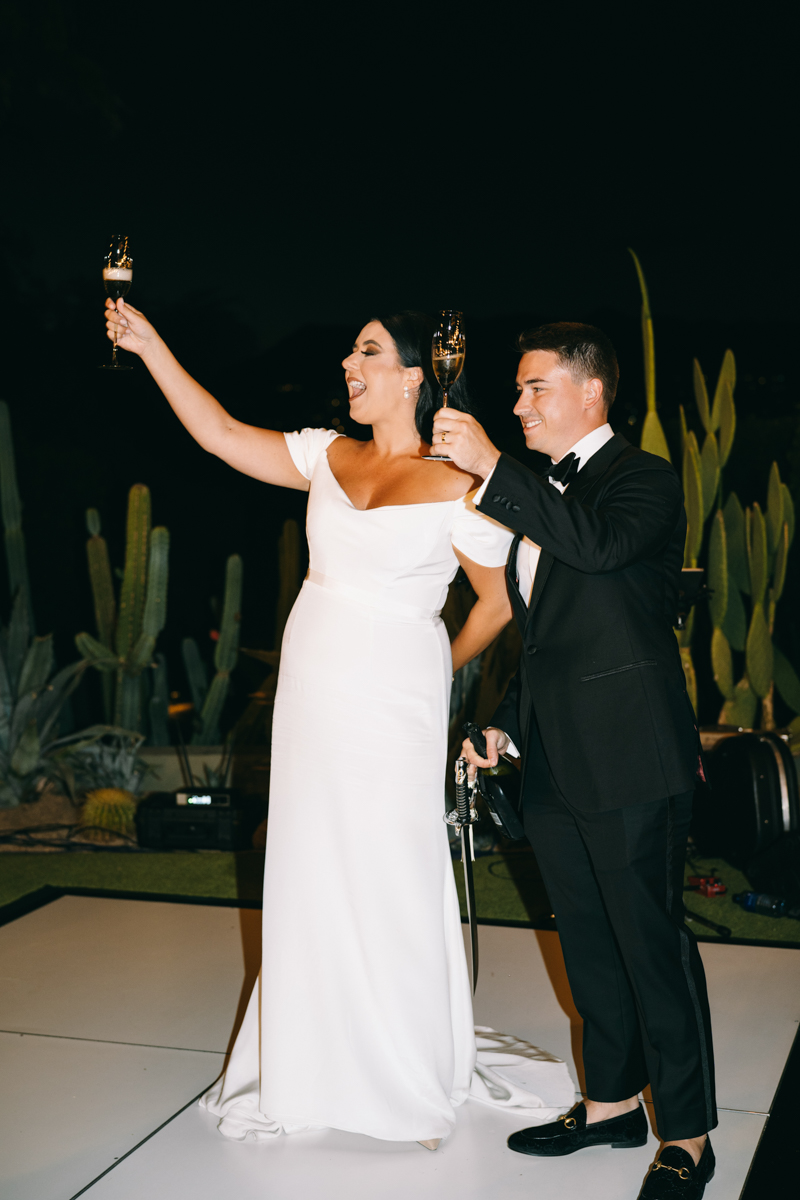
517	603
596	467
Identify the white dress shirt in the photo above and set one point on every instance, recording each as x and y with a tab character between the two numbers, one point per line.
528	552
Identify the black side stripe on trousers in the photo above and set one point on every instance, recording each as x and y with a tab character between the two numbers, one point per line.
687	972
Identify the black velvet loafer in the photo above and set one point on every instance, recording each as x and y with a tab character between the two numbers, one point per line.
673	1176
570	1133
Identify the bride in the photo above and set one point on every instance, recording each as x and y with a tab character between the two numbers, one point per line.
361	1019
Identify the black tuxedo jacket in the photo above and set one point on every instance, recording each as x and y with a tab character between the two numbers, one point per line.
600	680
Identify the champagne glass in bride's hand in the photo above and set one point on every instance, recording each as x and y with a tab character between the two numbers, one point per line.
117	278
448	351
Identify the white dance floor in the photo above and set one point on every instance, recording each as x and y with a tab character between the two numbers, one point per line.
116	1014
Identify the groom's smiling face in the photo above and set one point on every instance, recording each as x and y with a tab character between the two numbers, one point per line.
554	409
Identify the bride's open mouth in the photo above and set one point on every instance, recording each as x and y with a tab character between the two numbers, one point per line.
357	388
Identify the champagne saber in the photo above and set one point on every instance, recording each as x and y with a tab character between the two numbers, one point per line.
463	818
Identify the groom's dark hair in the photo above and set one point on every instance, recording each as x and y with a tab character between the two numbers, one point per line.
583	350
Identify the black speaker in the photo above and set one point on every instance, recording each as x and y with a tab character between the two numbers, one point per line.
752	801
203	819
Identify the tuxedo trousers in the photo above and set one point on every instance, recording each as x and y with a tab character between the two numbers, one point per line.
615	882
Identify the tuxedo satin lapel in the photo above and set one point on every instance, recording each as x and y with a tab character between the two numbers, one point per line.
597	465
546	560
517	603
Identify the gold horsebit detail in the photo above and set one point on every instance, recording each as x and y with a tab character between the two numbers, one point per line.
681	1172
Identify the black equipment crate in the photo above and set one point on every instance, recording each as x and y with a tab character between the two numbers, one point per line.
752	800
227	823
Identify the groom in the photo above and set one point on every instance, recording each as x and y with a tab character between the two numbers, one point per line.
610	750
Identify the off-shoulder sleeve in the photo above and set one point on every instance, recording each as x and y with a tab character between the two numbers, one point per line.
306	445
485	541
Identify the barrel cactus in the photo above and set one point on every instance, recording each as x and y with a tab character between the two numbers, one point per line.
108	813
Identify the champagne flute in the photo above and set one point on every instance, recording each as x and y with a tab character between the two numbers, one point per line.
448	351
117	278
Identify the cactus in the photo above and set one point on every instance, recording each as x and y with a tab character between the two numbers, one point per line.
289	576
195	673
255	722
159	704
727	561
653	439
11	505
758	549
105	605
225	656
108	813
127	637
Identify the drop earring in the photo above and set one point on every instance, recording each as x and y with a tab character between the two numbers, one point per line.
405	392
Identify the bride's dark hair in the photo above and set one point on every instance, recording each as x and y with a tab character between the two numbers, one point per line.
412	333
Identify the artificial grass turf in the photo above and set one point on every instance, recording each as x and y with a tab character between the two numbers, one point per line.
215	874
508	887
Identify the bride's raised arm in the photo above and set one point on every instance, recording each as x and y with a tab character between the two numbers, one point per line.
261	453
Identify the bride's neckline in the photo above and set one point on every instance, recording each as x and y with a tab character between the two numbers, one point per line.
377	507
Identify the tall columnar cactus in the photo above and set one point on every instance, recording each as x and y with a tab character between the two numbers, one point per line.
126	638
225	656
653	439
11	505
159	703
288	575
256	721
196	673
105	605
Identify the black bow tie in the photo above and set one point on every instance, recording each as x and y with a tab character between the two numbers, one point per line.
564	470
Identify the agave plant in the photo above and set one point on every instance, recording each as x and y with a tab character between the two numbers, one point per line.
30	704
102	756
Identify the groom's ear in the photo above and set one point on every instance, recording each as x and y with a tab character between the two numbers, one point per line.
593	394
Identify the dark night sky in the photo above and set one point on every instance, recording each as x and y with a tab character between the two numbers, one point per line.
288	158
286	172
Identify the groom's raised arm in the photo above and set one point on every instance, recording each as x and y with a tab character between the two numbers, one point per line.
636	517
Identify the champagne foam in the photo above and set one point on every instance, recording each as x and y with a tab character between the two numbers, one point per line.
117	272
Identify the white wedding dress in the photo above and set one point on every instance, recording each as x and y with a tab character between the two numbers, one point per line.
362	1016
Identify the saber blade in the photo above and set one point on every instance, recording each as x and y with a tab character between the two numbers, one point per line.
464	810
472	915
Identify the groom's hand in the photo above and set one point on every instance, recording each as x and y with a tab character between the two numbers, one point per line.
465	441
496	743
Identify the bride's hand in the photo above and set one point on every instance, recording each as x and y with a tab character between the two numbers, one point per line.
133	331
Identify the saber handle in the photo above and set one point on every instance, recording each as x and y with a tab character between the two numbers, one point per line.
462	792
